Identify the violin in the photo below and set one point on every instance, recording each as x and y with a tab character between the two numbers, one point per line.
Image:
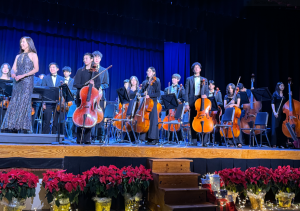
141	123
4	103
237	114
251	109
292	111
64	108
216	115
171	116
86	115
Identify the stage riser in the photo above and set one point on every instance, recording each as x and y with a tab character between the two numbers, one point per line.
15	138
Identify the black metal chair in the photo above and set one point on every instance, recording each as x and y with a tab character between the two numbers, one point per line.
227	117
262	122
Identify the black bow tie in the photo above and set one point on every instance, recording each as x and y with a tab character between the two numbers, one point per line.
53	76
196	76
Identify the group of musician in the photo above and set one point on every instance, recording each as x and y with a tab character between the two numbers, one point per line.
16	116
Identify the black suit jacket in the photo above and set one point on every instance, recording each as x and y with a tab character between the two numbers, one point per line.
47	81
218	97
190	89
180	95
70	84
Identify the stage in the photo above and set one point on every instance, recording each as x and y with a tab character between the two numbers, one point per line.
78	158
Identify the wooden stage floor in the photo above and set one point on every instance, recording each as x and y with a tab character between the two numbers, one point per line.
127	150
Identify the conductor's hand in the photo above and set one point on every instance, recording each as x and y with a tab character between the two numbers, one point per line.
19	77
276	114
203	96
44	106
147	96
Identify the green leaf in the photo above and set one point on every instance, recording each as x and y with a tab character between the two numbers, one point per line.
49	197
57	203
9	196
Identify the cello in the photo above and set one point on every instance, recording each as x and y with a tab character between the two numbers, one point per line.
237	113
171	116
292	111
86	115
203	123
141	123
99	110
251	109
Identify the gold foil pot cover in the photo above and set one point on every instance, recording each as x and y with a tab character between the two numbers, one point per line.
102	204
284	199
132	203
14	205
257	200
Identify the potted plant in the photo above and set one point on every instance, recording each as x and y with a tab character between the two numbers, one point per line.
103	183
258	184
234	181
286	183
15	187
134	180
62	188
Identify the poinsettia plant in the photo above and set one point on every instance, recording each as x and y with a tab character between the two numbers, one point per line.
62	185
103	181
17	183
233	179
258	179
134	180
286	179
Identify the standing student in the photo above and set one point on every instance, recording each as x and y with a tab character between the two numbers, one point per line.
18	115
153	92
83	75
67	79
278	138
52	80
193	93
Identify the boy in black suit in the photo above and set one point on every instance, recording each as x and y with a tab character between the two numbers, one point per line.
68	80
192	93
52	80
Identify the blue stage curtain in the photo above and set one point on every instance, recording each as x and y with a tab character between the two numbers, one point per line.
177	60
66	51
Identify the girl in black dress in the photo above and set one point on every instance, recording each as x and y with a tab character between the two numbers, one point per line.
154	93
229	102
133	87
278	138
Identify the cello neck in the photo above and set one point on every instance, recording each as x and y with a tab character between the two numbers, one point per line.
290	99
251	97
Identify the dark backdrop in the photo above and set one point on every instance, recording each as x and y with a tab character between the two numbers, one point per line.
230	38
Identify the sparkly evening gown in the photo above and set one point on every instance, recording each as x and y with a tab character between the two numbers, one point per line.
18	114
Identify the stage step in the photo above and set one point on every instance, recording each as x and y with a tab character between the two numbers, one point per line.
196	207
184	196
170	165
20	138
176	180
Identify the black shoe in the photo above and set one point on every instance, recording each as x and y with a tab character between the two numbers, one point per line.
150	143
204	145
87	143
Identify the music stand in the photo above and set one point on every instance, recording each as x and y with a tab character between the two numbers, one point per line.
124	99
262	94
5	91
170	101
66	94
244	98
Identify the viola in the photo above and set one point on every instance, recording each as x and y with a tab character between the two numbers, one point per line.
235	126
251	109
171	116
141	123
203	123
216	115
292	111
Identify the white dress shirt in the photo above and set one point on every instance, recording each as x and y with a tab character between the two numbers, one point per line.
197	85
54	79
67	80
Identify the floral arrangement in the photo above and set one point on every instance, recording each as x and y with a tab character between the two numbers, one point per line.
103	181
62	185
233	179
258	179
17	183
135	179
286	179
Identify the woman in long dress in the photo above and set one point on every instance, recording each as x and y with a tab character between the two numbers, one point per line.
18	114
